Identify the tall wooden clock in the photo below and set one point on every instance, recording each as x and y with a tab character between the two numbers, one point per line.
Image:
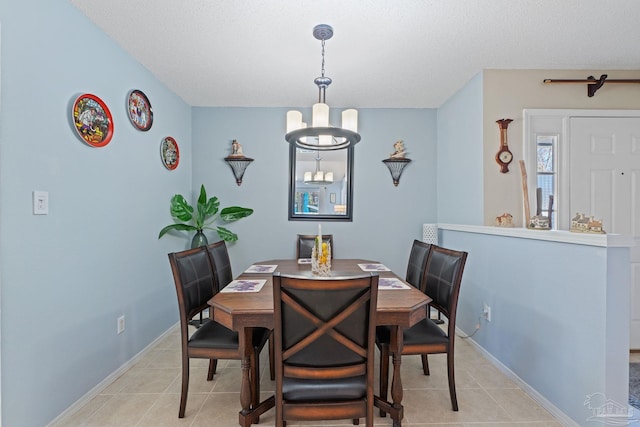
504	156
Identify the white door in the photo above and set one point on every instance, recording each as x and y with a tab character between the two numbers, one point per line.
605	183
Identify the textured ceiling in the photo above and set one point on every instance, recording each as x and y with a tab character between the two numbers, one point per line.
384	53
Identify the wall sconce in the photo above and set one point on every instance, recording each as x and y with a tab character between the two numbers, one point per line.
397	162
237	161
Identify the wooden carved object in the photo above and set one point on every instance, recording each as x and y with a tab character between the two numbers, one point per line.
504	156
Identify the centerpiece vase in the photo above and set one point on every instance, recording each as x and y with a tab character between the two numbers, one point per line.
321	259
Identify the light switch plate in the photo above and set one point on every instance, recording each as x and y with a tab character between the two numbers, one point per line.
41	203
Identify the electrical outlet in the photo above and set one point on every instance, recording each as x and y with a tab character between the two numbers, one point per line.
120	324
486	312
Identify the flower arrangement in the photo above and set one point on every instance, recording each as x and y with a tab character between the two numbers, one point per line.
321	256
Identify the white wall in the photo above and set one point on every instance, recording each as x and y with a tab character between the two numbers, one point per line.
67	276
386	219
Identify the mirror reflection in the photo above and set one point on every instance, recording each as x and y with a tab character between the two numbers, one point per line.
320	184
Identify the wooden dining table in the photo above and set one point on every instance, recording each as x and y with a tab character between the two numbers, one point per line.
243	311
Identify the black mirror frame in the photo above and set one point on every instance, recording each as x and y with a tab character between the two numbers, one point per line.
348	217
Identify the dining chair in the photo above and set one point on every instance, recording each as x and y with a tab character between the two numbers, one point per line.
324	347
416	266
305	244
193	276
442	279
222	276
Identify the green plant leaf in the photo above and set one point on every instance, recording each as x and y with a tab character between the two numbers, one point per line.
177	227
234	213
202	201
211	207
227	235
180	209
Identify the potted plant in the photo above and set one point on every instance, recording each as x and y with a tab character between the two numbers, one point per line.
206	212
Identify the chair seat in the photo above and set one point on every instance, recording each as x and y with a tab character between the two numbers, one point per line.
214	335
296	390
425	332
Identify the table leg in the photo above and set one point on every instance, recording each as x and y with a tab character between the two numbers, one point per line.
396	384
252	408
245	416
395	409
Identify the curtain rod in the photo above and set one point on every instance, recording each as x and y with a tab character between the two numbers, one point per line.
592	83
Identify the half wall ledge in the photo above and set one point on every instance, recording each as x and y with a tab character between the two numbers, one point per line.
603	240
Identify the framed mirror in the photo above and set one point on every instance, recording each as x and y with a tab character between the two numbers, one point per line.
320	184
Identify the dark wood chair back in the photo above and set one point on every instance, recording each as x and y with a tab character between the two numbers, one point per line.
443	278
417	264
222	273
193	277
305	244
324	347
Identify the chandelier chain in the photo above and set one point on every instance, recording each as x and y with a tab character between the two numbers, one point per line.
322	58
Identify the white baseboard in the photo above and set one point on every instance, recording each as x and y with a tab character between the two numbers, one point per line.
530	391
67	413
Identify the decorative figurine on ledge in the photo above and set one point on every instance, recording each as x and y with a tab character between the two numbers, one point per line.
504	220
539	222
236	149
583	224
398	152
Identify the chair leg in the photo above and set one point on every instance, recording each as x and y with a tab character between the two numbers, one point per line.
452	381
384	374
185	386
213	365
425	364
272	362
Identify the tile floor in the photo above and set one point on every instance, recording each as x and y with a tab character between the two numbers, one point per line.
148	394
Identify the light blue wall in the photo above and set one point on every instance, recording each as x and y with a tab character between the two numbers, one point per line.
460	154
385	219
559	314
67	276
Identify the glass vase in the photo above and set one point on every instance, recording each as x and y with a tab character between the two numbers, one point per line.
199	239
321	259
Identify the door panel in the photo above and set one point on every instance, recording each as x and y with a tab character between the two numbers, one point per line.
605	183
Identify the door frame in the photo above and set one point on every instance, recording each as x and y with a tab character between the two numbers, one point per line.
557	122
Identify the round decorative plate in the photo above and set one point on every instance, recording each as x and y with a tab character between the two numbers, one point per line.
92	120
140	112
170	153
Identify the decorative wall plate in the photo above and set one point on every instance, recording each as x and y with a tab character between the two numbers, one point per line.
92	120
170	153
140	112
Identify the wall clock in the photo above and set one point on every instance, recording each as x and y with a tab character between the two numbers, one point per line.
504	156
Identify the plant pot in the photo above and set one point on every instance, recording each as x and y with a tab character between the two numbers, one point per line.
199	240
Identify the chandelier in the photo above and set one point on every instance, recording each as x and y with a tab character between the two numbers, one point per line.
318	176
321	136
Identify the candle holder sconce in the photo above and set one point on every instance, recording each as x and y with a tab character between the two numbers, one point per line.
237	161
397	162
